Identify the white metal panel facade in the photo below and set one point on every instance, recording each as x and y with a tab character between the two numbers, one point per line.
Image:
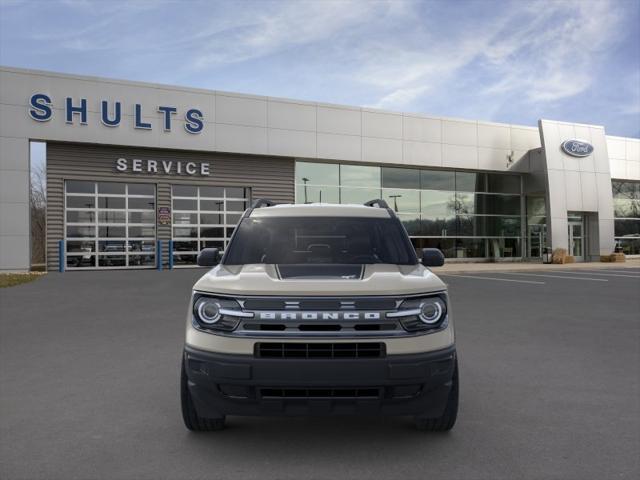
248	124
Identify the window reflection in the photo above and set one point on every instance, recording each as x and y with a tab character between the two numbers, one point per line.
471	182
503	183
627	228
437	204
317	173
465	214
465	203
314	194
402	200
411	223
625	189
360	176
626	209
400	178
536	206
497	204
437	180
358	195
438	227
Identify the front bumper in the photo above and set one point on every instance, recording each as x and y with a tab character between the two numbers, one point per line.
412	384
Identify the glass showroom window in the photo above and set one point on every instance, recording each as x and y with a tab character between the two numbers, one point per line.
333	183
110	224
204	217
359	183
317	182
465	214
536	226
626	210
401	191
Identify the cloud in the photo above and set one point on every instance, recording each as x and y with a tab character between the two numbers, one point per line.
510	61
542	52
554	57
401	96
631	93
285	25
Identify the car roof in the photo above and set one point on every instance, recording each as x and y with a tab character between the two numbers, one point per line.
320	210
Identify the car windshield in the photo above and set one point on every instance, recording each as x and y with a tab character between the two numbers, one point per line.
320	240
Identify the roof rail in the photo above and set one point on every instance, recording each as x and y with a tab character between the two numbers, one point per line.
262	202
378	202
257	203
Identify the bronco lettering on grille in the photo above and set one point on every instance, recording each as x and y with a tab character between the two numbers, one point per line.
319	315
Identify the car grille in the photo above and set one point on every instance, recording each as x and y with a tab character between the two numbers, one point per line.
244	392
319	327
320	350
321	304
320	392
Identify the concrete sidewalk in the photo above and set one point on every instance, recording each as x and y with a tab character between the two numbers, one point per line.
458	267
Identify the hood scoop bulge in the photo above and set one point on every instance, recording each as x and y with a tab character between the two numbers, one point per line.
320	271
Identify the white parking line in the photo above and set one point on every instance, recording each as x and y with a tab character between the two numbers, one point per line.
490	278
626	270
603	274
555	276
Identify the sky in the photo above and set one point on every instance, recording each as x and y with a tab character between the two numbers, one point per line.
502	61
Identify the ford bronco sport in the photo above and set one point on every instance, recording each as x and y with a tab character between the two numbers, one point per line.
319	309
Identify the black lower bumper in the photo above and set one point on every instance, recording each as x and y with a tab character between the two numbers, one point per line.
416	384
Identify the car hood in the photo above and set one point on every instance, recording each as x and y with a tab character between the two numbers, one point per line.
320	280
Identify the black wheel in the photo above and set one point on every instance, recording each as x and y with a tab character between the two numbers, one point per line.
448	418
192	420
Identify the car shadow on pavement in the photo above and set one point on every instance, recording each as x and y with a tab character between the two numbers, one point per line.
331	436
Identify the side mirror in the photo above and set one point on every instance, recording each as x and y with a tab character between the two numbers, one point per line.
208	257
432	257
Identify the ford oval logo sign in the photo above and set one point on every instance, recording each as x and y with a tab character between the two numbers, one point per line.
577	148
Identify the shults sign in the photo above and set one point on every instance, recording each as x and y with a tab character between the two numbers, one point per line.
41	109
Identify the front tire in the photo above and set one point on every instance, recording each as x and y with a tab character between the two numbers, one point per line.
192	420
447	420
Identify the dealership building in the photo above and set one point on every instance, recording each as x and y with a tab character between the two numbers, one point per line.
143	175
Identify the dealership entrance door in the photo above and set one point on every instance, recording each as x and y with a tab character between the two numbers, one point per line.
576	235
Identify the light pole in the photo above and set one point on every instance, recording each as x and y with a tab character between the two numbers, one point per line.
305	180
220	214
395	201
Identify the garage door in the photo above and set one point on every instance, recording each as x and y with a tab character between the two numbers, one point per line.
110	225
204	217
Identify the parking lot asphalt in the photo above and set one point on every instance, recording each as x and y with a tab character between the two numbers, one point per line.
549	371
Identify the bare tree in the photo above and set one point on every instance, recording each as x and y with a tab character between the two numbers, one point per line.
38	209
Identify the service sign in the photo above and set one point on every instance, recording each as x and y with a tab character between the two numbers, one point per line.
162	167
577	148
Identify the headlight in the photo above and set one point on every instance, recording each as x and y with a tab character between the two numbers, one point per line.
425	313
431	310
208	310
214	313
